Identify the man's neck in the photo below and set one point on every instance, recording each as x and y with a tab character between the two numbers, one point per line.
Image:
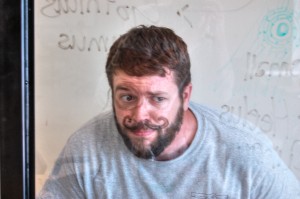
183	138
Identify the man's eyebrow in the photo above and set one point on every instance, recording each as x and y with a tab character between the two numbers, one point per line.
122	88
152	93
157	93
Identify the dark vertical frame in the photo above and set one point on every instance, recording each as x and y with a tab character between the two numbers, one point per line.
27	84
10	99
16	99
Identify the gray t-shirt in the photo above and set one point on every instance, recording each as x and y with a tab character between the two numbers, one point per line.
227	159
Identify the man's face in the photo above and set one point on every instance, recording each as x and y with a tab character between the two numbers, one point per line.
148	112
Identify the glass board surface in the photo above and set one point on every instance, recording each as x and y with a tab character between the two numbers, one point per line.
245	57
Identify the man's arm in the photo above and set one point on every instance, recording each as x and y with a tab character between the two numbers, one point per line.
65	179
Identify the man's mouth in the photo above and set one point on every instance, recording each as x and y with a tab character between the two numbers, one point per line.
143	132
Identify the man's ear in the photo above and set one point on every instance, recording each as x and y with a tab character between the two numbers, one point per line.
186	95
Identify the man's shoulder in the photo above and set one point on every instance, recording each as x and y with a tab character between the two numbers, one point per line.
102	120
242	143
98	128
229	129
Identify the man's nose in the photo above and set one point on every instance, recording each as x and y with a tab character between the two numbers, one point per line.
142	110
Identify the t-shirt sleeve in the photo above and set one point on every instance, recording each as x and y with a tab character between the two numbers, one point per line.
65	181
276	180
79	162
280	186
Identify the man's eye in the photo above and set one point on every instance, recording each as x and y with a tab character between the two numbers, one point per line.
127	98
158	99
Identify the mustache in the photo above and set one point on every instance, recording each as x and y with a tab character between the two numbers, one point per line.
134	125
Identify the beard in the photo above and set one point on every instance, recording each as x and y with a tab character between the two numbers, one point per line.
166	133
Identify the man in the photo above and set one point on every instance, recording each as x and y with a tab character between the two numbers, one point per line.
157	144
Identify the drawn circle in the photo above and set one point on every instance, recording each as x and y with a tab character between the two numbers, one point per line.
282	29
277	28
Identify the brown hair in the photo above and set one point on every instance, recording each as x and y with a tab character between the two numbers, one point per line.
145	51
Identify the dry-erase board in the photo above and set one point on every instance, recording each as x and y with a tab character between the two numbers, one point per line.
245	57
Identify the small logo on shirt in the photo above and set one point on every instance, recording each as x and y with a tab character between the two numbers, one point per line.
208	196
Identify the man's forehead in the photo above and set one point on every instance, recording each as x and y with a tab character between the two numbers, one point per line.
120	76
155	83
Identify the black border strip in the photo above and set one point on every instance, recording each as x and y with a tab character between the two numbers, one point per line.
10	100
